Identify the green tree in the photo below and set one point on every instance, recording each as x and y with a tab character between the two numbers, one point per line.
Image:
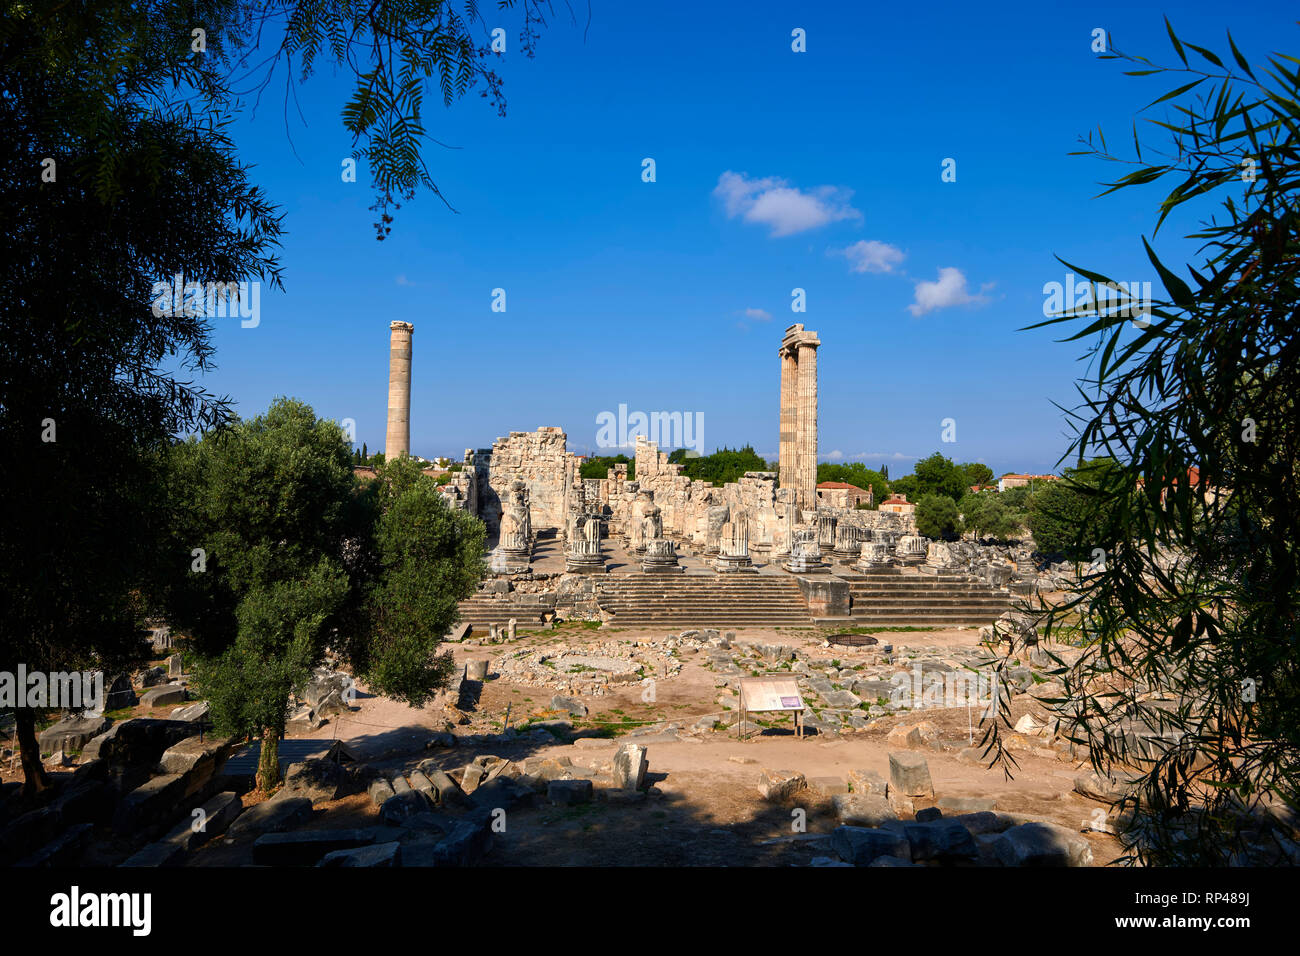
424	558
936	517
270	501
988	516
1195	397
857	474
1071	518
977	473
599	466
300	556
724	465
907	486
83	346
396	51
938	475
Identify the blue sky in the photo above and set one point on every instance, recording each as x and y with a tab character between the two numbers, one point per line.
775	170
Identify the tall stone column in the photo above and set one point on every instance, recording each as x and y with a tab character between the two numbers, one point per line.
398	440
806	481
789	386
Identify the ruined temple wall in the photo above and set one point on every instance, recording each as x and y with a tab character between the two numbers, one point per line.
683	502
541	461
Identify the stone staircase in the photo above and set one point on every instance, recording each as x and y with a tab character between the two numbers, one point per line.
891	598
703	600
482	609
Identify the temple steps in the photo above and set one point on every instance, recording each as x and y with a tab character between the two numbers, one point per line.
690	600
888	598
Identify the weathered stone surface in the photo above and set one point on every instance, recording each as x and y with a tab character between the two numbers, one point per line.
967	804
863	782
166	695
909	774
73	732
863	810
280	813
1097	787
982	822
928	814
567	792
944	840
1042	844
319	779
326	683
777	786
919	735
630	766
378	855
539	771
449	793
305	847
828	786
501	793
398	808
476	669
150	803
570	705
465	844
193	752
194	713
216	817
380	790
174	666
119	694
420	782
861	845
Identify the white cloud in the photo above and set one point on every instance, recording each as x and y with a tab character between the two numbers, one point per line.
402	280
758	315
773	202
869	255
836	455
884	456
949	290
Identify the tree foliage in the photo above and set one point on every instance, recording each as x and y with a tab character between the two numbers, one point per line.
599	466
724	465
298	557
130	194
425	557
938	475
1189	630
1071	518
936	517
857	474
145	54
988	515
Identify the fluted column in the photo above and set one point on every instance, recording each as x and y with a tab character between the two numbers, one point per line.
398	440
789	387
806	478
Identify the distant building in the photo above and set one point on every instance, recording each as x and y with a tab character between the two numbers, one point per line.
1209	495
898	504
840	494
1019	481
